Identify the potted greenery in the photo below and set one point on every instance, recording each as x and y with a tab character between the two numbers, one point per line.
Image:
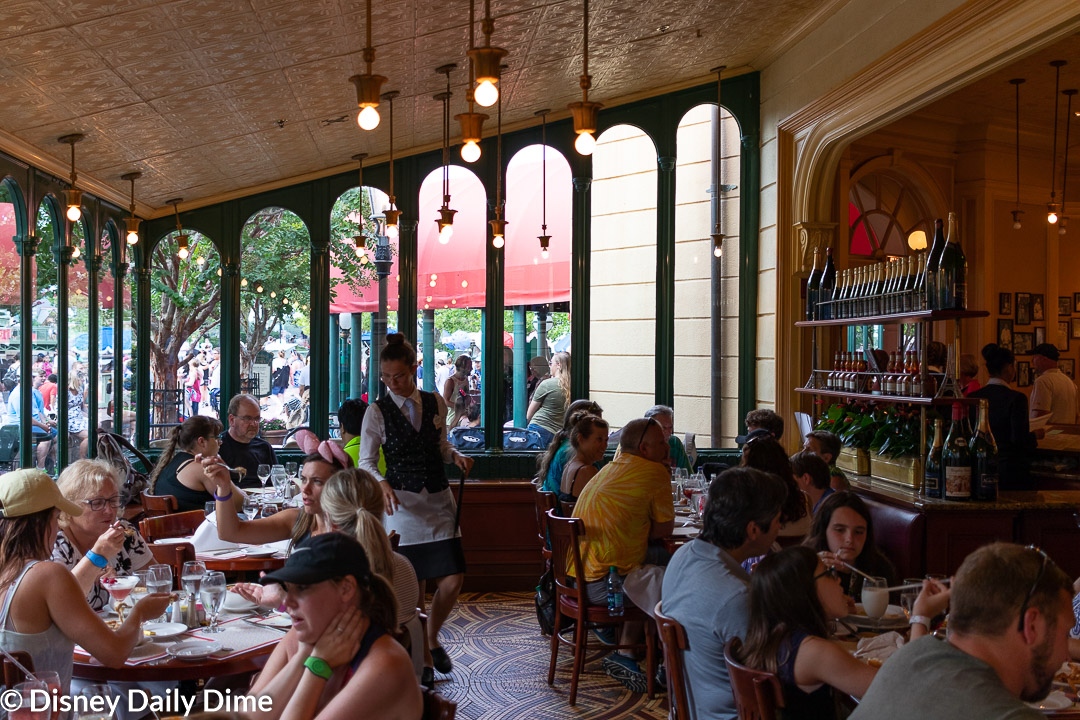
854	423
272	431
895	449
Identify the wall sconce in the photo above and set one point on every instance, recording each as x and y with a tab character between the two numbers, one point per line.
73	196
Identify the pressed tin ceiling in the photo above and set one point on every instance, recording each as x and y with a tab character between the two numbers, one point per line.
208	97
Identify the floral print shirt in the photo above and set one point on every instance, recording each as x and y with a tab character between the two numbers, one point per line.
134	555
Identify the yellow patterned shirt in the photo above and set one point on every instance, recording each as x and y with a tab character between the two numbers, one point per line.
618	507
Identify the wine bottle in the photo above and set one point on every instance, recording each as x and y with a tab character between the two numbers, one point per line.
910	278
919	295
932	475
952	272
956	458
984	465
933	259
813	283
827	287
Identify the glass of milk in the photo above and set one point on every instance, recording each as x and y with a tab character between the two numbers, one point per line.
875	597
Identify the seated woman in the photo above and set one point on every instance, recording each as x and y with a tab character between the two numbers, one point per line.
96	542
551	463
1008	418
765	453
843	530
588	438
337	661
43	611
177	473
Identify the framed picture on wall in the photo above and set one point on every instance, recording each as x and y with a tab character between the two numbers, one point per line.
1038	309
1068	366
1005	303
1023	343
1023	374
1075	323
1005	333
1065	305
1062	342
1076	300
1040	335
1023	308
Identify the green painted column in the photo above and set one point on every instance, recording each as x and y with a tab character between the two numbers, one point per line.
142	354
493	393
319	419
335	363
27	247
665	282
750	171
120	270
373	362
541	333
94	385
485	404
429	350
356	356
521	363
406	271
230	335
62	250
580	270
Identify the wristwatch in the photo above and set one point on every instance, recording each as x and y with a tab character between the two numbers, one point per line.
921	620
319	667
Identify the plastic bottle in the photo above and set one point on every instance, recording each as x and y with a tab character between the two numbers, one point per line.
614	592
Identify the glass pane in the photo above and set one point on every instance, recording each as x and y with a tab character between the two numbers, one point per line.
43	340
106	302
623	284
78	326
10	286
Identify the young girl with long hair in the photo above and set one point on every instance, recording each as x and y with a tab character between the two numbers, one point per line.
843	529
178	474
550	464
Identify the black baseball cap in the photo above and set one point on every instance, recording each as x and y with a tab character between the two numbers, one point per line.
1048	351
322	557
755	433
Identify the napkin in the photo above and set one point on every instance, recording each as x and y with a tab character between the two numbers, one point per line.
206	537
880	647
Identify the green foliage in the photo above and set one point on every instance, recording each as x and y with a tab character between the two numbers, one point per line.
350	217
890	430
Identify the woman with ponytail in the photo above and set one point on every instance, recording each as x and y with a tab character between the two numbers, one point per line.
547	409
1008	418
177	473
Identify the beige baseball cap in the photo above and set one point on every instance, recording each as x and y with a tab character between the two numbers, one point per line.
27	491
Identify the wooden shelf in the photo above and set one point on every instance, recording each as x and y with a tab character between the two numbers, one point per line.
898	318
894	399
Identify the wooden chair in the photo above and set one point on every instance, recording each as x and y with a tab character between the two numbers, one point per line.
544	501
572	601
436	707
757	693
155	505
673	635
12	675
174	555
170	526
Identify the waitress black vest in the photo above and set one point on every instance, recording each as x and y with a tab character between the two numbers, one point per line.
413	458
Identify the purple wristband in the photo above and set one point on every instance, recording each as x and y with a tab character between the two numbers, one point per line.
223	499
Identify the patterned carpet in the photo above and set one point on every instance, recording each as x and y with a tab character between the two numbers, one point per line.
500	668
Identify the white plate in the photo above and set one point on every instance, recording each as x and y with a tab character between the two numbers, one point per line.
163	630
893	619
172	541
282	621
1056	700
260	551
235	602
194	649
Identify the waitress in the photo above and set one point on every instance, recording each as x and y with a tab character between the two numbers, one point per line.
1008	418
410	427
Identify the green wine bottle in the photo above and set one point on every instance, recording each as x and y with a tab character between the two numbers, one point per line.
984	465
952	272
956	459
932	474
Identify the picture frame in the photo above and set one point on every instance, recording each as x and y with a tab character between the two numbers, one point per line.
1005	303
1040	335
1074	324
1062	342
1023	374
1005	333
1023	343
1065	305
1038	307
1068	366
1023	308
1076	300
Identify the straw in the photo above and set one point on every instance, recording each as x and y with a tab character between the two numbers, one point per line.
16	663
912	586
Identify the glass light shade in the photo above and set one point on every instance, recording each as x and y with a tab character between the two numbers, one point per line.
1051	217
497	241
200	261
470	151
585	143
392	231
75	252
74	213
718	251
243	282
132	238
486	94
544	253
273	294
360	252
1016	225
445	233
368	119
258	288
182	253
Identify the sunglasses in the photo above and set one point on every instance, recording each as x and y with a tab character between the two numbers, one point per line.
1034	585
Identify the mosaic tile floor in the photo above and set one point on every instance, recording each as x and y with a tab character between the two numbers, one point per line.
500	668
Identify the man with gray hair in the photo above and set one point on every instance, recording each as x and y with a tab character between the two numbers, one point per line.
240	444
665	415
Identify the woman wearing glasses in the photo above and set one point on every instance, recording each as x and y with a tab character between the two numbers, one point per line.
95	542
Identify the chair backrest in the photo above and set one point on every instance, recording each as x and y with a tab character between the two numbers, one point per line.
673	635
9	443
544	501
565	536
154	505
174	555
12	675
436	707
757	693
170	526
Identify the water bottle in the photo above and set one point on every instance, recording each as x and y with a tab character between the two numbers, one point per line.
614	592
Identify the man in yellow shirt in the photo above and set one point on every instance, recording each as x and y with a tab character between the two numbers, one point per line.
623	507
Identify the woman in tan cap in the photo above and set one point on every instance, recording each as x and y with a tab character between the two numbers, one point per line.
43	611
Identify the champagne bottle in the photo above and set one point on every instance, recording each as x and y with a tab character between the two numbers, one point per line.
933	259
952	272
956	458
984	465
827	287
932	476
813	285
919	295
910	278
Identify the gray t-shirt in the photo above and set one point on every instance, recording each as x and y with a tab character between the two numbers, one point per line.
707	592
930	679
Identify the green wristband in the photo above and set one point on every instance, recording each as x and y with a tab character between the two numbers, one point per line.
319	667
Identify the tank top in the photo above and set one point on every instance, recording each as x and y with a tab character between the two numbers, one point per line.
816	705
168	484
50	650
570	472
452	417
373	633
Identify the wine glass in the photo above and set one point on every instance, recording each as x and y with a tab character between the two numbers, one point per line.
264	474
50	678
34	701
875	596
213	597
119	588
96	702
291	468
251	507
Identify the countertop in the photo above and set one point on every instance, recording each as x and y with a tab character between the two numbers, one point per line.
1008	501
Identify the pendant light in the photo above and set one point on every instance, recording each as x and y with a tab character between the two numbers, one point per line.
498	225
392	213
584	112
472	123
73	196
445	220
1017	82
718	230
544	238
181	238
1065	175
1052	206
360	241
368	85
132	222
487	62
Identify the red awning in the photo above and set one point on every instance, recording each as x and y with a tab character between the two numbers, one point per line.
9	257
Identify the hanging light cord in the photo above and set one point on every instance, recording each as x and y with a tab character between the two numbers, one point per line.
391	150
498	157
472	43
543	172
1053	160
369	51
585	58
1017	145
1065	174
446	140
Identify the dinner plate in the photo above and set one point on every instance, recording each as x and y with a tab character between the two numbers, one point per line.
281	620
259	551
235	602
1056	700
172	540
194	649
894	619
162	630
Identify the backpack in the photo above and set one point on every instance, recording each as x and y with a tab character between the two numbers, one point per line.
115	450
545	602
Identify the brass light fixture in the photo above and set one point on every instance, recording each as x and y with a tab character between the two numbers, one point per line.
718	230
73	196
584	112
132	222
392	213
472	123
445	220
1017	82
498	225
1052	207
367	85
181	238
487	62
1065	175
360	241
544	238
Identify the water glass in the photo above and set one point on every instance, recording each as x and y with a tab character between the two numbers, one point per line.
875	596
191	576
251	507
97	702
212	593
908	597
210	508
291	469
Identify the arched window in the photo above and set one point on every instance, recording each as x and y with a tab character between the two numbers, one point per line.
884	210
10	287
78	332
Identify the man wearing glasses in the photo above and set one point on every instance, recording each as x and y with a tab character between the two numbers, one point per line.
240	445
1009	621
